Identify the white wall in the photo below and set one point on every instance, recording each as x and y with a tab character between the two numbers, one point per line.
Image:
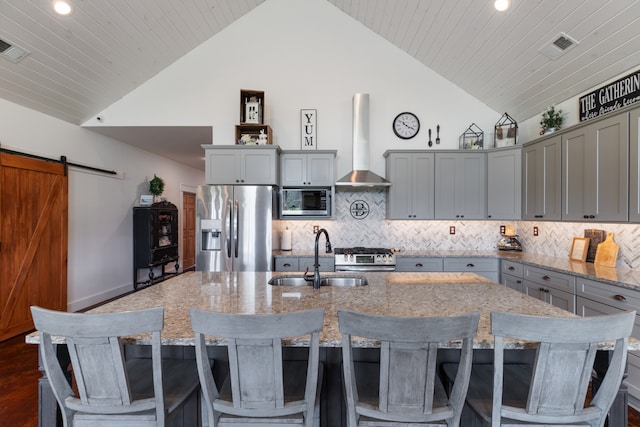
100	215
303	54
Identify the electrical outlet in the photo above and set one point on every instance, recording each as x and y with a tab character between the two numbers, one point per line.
502	229
315	229
535	231
452	229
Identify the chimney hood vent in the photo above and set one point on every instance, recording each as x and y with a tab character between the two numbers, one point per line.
361	176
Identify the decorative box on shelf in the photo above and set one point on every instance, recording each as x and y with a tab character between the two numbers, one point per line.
472	138
506	131
253	135
251	106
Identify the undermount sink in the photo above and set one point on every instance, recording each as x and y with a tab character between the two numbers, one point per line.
324	281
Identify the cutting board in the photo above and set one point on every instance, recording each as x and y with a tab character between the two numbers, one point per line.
607	252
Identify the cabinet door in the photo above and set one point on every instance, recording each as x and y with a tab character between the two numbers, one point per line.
326	263
634	163
460	186
534	290
258	167
542	175
320	170
222	167
595	178
504	188
412	176
293	171
563	300
512	282
418	264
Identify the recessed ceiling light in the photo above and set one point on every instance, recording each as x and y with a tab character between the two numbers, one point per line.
62	7
501	5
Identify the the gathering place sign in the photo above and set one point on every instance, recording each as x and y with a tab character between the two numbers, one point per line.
622	92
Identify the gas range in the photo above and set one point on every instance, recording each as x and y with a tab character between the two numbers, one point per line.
364	259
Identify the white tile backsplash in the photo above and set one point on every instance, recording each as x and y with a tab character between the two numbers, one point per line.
373	230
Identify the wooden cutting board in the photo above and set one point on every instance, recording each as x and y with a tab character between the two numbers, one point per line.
607	253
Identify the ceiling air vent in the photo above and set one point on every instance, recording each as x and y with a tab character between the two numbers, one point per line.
11	52
559	46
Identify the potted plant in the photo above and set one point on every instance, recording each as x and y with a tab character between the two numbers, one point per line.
551	120
156	187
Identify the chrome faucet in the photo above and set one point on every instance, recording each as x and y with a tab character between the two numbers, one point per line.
316	265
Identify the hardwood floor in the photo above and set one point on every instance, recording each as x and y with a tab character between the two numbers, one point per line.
19	385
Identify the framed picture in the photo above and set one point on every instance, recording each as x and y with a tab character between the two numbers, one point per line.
579	249
146	200
308	130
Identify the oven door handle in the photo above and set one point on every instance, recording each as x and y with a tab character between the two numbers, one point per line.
365	268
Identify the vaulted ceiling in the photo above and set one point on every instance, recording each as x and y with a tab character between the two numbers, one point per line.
80	64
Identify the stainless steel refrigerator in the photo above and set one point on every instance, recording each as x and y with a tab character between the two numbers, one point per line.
236	227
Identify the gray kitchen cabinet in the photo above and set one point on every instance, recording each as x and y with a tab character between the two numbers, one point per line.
558	289
595	298
504	184
460	185
240	165
411	195
307	169
486	267
296	264
424	264
542	180
595	176
634	165
511	274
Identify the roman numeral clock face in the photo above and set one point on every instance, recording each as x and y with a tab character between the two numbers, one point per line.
406	125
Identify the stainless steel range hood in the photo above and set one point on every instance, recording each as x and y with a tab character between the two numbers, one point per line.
361	176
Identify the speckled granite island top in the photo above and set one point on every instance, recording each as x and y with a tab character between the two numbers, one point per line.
397	294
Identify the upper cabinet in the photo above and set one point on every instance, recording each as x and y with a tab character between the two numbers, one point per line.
240	165
542	176
595	176
411	195
504	189
634	163
307	168
461	185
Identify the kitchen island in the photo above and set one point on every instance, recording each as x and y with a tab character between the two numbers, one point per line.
395	294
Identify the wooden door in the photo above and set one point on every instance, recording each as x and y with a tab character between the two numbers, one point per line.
33	240
188	231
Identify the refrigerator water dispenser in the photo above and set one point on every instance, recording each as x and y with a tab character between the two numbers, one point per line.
211	234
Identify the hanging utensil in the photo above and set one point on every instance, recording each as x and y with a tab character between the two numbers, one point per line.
438	134
430	142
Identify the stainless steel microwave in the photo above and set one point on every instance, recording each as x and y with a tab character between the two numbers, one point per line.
301	202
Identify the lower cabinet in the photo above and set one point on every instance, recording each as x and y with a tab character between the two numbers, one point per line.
511	274
425	264
485	267
555	288
295	264
596	298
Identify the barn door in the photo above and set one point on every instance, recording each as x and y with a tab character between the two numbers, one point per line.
33	240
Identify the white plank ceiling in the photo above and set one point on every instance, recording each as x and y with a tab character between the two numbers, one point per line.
81	64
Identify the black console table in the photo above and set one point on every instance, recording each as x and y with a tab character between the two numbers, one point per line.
155	241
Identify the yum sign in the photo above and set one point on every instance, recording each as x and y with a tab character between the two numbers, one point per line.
308	140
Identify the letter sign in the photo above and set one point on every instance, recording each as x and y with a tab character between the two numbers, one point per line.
308	134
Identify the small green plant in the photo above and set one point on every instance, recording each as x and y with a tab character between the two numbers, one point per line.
551	118
156	185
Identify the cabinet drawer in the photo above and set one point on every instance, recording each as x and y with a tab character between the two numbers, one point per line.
286	264
621	298
512	268
471	264
418	264
552	279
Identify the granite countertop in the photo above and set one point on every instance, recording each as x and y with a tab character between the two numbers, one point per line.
395	294
623	277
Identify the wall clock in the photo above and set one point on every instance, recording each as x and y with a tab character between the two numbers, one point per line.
406	125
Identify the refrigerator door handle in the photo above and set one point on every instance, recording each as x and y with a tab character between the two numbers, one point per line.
228	229
235	227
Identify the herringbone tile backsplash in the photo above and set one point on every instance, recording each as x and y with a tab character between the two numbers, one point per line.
353	226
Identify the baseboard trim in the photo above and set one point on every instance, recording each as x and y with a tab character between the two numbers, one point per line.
91	301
